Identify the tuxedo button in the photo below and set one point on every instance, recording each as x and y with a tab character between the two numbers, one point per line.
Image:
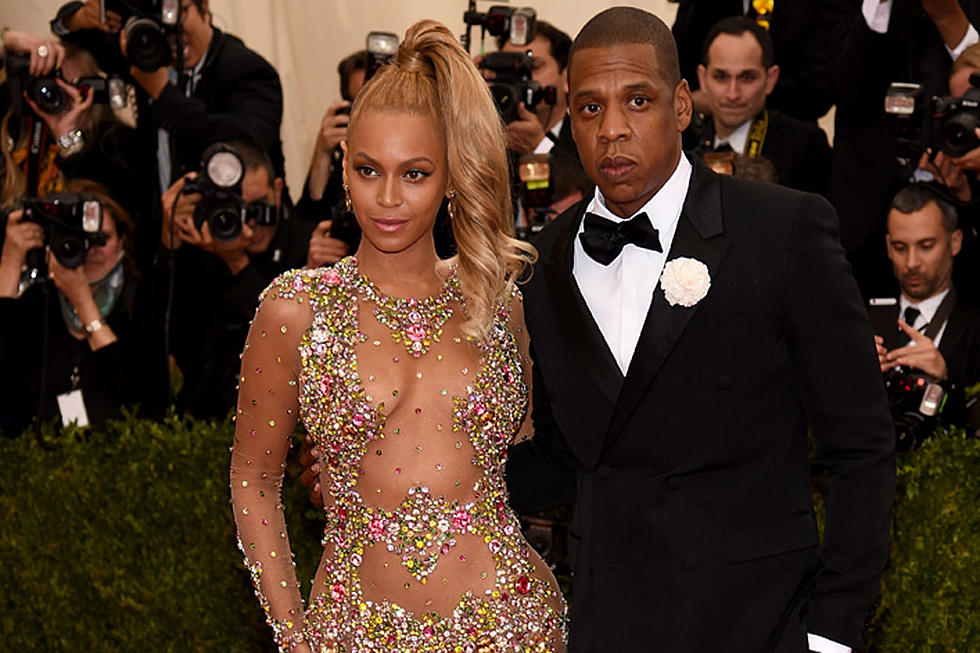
690	563
603	471
724	381
674	483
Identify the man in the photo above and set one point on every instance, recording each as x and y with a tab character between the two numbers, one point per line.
889	41
738	73
805	35
547	129
936	332
225	91
675	414
216	283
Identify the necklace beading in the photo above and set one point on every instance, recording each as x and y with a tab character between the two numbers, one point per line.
415	323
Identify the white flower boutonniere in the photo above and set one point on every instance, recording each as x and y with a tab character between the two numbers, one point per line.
685	281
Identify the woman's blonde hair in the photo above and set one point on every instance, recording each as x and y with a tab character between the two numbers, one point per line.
432	75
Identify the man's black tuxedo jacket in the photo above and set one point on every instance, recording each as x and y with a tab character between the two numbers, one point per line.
960	344
797	148
693	527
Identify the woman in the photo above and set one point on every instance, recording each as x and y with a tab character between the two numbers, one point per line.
84	140
99	335
412	376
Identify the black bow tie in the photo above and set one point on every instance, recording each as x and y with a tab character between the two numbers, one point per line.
603	239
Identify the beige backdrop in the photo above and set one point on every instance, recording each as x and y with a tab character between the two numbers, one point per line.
304	40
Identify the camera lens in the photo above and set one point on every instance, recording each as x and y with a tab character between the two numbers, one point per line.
958	136
49	97
225	223
69	250
505	96
147	46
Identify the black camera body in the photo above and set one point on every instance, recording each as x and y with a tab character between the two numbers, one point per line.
221	205
48	95
916	401
72	225
148	26
941	123
513	84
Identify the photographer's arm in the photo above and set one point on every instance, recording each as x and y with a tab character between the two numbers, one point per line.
78	23
333	129
74	285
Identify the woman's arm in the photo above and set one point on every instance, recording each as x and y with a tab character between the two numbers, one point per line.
265	419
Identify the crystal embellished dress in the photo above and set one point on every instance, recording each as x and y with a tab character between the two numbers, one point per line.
412	419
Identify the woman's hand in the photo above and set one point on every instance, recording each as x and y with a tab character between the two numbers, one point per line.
61	123
21	237
46	54
72	283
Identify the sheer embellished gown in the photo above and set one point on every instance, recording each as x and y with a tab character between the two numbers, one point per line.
412	419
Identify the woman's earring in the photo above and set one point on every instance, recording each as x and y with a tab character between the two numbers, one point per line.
449	204
347	202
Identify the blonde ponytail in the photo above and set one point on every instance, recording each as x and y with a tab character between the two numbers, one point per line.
432	75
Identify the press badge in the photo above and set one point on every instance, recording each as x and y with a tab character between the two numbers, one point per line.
72	408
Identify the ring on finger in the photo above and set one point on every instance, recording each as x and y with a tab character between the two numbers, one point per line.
42	50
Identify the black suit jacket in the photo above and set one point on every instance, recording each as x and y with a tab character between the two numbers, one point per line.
798	149
693	527
960	344
805	35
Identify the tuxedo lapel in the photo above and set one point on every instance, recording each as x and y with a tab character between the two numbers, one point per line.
700	236
954	332
575	320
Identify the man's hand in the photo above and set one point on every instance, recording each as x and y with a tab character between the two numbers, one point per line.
947	173
24	43
234	253
177	217
333	127
153	82
308	457
524	134
970	160
61	123
921	354
88	18
324	249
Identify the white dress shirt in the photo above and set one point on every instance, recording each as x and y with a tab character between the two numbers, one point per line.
927	309
619	294
546	144
736	140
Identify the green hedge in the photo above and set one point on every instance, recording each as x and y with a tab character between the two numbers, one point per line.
122	539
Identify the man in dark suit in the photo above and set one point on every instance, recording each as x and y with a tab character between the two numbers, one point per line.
737	74
675	412
805	34
927	328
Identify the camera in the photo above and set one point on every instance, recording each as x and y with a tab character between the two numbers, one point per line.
48	95
499	21
221	205
148	26
512	84
381	47
537	192
941	123
916	401
72	225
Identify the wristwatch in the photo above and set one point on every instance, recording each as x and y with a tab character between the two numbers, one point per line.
71	142
93	326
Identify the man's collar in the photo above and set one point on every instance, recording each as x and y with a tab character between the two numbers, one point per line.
927	307
737	138
665	204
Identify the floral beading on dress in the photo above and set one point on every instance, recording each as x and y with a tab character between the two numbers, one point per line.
412	420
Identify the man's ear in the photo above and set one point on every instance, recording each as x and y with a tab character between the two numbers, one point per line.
772	76
956	241
277	186
683	104
702	74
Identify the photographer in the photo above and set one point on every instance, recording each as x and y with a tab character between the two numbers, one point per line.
81	135
546	129
928	328
225	91
218	276
99	356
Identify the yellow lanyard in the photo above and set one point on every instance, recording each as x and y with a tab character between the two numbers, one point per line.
757	135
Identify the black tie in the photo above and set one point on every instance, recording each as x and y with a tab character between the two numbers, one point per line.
723	147
603	239
910	315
